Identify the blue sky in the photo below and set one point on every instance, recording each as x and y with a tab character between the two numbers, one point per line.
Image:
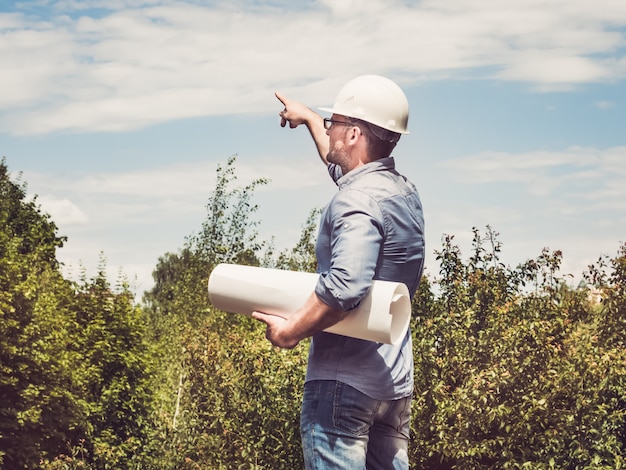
118	112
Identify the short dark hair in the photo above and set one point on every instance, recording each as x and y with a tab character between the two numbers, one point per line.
380	142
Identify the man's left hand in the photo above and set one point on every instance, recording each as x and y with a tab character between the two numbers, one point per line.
275	331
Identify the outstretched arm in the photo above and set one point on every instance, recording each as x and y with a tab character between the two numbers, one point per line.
295	113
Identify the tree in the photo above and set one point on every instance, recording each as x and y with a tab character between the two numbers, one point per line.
178	306
302	256
37	407
115	375
227	235
75	369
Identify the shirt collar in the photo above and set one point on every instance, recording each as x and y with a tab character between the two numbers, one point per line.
382	164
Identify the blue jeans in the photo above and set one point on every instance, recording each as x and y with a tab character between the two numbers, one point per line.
341	428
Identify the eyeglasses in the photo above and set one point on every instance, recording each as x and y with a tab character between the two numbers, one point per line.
329	122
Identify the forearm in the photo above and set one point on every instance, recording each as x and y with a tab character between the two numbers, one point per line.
315	125
313	317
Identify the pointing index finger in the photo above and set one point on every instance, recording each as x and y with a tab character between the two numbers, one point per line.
280	97
283	100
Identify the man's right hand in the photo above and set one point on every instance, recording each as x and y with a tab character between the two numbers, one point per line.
296	113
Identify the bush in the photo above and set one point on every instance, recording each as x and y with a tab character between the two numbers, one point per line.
513	368
241	398
508	378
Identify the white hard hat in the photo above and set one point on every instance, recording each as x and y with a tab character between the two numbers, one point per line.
373	99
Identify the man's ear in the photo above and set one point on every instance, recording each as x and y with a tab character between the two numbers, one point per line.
354	134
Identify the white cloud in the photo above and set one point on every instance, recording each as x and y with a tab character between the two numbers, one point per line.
597	176
63	211
164	193
538	66
144	62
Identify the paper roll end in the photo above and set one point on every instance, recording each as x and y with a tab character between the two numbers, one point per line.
400	311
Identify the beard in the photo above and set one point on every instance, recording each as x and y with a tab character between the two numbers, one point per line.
337	154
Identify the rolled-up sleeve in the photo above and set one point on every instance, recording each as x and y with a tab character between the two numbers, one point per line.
353	223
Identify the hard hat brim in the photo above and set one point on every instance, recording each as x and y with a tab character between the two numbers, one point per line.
332	111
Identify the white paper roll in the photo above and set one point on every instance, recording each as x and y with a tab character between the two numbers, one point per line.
383	316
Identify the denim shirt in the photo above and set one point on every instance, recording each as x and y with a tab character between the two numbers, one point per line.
373	228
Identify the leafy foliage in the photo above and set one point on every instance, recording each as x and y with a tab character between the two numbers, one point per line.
206	394
240	400
74	366
227	235
302	256
512	378
36	409
513	368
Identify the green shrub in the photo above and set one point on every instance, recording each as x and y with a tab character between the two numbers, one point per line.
508	377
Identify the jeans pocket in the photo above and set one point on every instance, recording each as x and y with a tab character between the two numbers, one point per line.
353	411
404	419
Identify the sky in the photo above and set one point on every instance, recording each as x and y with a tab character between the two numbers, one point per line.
117	113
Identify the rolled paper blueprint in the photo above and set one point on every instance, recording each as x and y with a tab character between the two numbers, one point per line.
383	316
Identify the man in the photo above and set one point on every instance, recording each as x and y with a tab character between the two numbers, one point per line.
357	395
